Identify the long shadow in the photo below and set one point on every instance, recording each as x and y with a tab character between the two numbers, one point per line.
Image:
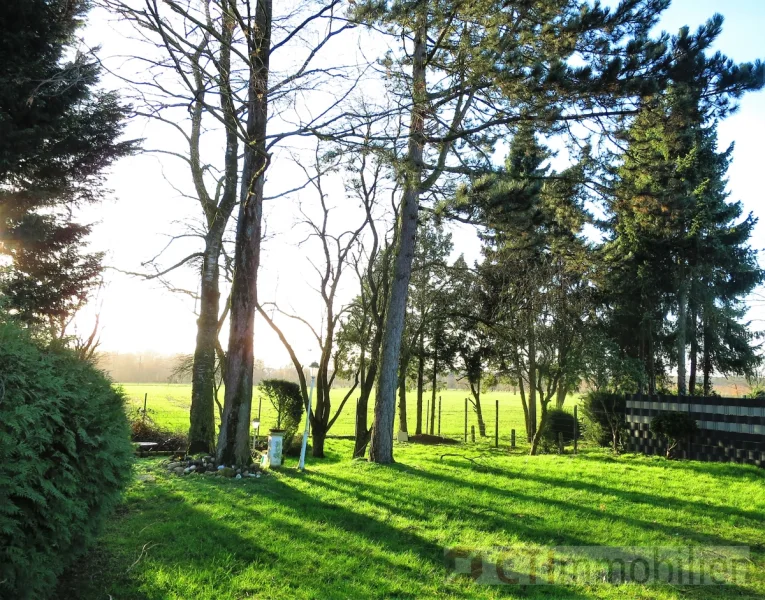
535	533
669	530
628	495
735	471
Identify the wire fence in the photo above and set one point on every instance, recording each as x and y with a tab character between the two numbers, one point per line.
454	415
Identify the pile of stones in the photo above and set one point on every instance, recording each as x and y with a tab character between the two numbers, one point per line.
205	465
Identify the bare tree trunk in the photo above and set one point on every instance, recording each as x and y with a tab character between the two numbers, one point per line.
402	400
682	327
381	447
526	420
202	412
560	398
204	392
532	381
475	388
233	441
694	333
706	362
420	384
434	385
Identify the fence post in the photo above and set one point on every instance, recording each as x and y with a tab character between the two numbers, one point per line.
512	438
466	401
560	442
145	397
472	433
576	428
496	423
439	416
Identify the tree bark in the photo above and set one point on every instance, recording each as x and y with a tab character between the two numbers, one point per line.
434	385
694	353
526	420
560	398
233	441
420	383
402	399
202	411
706	363
204	392
381	447
532	381
682	328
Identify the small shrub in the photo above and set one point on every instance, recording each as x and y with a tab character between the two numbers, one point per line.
145	429
604	417
287	400
673	427
558	421
65	457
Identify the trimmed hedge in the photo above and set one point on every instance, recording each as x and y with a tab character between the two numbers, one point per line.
65	457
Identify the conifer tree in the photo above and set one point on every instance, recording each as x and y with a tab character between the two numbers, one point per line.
58	132
668	202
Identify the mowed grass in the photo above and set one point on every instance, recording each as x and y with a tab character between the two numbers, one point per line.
168	405
352	529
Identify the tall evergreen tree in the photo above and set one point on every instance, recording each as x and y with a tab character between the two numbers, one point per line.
668	201
58	132
465	72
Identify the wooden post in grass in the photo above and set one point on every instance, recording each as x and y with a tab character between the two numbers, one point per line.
560	442
576	428
496	423
466	401
145	397
472	433
439	416
512	438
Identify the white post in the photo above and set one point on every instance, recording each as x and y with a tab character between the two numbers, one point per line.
301	465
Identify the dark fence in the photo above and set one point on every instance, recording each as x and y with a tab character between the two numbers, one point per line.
730	429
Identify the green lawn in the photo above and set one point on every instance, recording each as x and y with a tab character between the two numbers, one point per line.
169	405
351	529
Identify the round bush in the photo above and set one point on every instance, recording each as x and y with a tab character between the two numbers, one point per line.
65	456
558	421
605	421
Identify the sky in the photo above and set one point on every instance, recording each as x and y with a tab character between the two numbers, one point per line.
147	203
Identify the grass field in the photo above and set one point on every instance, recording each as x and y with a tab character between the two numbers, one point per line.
169	404
351	529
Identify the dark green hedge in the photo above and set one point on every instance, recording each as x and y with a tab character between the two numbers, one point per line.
65	457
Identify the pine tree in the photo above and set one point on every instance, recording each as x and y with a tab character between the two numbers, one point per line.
466	71
58	132
668	200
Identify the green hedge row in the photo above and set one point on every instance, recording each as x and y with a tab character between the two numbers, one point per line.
65	457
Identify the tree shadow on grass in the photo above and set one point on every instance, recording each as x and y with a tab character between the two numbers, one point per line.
212	538
632	496
736	471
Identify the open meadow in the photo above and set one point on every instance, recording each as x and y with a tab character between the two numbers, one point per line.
168	405
353	529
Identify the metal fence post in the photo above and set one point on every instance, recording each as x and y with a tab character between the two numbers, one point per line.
496	423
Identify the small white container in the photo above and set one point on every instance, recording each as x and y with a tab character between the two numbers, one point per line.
275	446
